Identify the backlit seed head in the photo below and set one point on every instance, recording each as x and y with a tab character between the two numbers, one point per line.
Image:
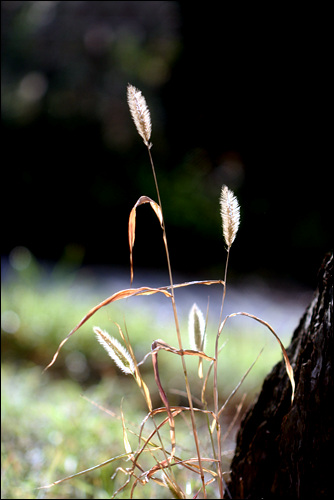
230	212
116	351
196	328
140	113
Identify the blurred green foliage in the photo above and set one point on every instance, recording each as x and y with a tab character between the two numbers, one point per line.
48	432
73	58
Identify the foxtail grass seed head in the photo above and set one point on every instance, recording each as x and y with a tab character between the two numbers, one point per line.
116	351
140	113
196	328
230	212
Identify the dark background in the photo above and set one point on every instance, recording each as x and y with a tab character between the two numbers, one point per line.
236	97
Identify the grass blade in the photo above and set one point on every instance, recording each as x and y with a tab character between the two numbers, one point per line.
127	445
132	224
110	460
123	294
288	366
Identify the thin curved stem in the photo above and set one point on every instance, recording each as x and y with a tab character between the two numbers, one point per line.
215	385
177	326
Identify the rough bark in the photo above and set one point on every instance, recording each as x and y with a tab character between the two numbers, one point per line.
285	451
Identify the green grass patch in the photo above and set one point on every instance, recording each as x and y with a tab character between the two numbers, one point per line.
48	432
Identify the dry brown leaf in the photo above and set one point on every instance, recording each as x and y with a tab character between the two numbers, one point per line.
132	224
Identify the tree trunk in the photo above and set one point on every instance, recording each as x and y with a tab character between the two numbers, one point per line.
286	451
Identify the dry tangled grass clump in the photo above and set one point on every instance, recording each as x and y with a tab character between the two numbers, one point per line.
199	472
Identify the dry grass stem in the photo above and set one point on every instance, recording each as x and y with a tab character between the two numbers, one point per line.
141	117
288	366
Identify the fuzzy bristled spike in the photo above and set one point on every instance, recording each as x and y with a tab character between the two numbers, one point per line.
230	212
140	113
116	351
196	328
